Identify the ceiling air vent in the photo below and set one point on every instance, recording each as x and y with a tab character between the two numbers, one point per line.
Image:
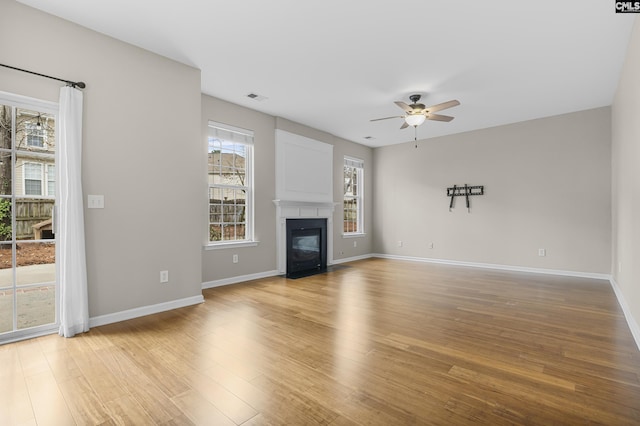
256	97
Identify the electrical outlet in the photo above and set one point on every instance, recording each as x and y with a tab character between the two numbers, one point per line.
355	244
542	252
399	243
235	258
164	276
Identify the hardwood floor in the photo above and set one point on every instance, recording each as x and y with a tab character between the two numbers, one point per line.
378	342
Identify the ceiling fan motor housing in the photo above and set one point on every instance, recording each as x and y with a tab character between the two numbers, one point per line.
417	108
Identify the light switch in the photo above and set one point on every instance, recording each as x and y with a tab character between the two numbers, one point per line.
95	201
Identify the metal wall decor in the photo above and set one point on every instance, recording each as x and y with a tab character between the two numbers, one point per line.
464	191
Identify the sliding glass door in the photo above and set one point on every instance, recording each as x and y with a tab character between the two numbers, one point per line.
28	289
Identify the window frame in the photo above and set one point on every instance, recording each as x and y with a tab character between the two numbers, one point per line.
359	166
17	154
240	136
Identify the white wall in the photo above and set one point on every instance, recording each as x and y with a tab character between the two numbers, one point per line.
626	183
304	169
547	185
142	150
343	247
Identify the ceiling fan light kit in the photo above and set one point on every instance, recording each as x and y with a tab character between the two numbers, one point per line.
415	119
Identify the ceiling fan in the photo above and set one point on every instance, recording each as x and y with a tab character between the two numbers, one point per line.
417	113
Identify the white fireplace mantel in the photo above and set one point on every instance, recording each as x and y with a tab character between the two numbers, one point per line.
286	209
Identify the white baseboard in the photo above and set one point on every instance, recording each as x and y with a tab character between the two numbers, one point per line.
497	266
144	310
239	279
351	259
633	324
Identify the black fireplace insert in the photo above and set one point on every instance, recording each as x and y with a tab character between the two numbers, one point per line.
306	247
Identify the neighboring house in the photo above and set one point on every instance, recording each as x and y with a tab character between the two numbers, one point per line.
225	168
35	162
34	172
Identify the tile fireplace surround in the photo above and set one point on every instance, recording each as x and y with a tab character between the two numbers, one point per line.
301	210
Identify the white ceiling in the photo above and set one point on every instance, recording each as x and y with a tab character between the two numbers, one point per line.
336	64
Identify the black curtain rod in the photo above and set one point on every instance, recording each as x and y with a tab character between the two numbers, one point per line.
76	84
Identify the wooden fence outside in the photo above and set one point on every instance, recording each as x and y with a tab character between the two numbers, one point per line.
29	213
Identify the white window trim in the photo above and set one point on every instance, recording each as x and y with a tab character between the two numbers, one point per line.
243	136
230	244
354	235
359	163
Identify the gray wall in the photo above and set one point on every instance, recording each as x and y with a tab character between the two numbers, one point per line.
626	180
217	264
547	185
142	150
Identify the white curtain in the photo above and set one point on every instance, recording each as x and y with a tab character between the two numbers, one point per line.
72	267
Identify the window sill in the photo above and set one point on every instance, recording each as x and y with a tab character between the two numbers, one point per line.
354	235
237	244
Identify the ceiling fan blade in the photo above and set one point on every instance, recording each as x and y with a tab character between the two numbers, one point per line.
437	117
386	118
442	106
404	106
404	125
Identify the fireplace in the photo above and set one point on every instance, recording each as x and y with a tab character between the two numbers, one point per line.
287	211
306	247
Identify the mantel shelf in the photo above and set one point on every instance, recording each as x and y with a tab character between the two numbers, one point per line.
314	204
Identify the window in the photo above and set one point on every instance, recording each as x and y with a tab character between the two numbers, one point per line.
51	179
35	134
36	182
29	303
352	199
32	179
230	175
